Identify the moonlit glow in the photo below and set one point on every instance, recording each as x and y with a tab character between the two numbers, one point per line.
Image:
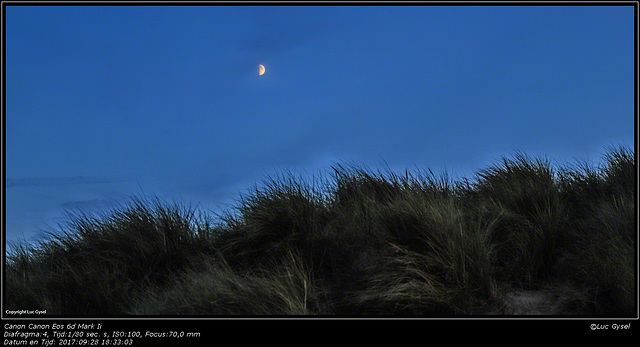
261	69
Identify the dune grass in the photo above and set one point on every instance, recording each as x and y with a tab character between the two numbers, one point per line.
353	242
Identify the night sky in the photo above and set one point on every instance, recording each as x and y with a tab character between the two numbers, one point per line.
107	102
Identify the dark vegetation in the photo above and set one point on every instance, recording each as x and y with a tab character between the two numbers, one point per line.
355	242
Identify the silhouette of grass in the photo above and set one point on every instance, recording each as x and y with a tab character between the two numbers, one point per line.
354	242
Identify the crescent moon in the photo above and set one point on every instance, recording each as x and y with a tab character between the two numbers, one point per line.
261	69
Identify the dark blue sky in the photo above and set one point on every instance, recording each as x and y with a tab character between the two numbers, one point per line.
106	102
